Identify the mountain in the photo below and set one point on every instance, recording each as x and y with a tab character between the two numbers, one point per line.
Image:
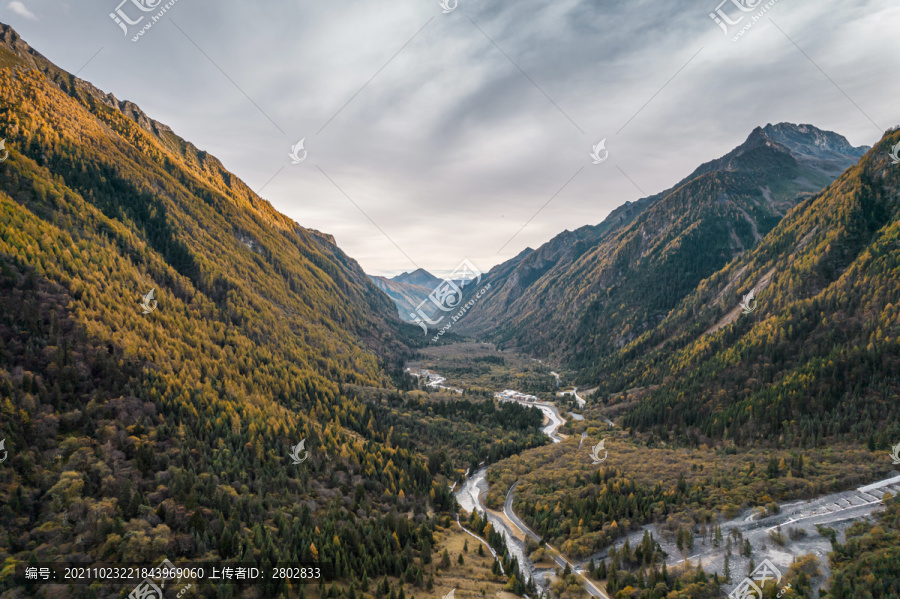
818	352
406	297
587	293
419	277
135	433
410	293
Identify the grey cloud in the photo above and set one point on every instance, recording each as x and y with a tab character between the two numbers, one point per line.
450	149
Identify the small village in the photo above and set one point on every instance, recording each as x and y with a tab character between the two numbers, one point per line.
510	395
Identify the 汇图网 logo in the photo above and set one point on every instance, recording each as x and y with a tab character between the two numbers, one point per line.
146	303
295	452
752	586
750	304
124	19
600	153
723	20
449	5
446	296
595	452
739	15
296	149
895	154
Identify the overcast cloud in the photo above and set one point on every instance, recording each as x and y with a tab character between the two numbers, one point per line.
449	145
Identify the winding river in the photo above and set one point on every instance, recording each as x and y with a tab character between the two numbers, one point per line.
470	499
837	510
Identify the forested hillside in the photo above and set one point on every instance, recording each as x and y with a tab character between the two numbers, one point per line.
819	356
867	563
585	294
138	434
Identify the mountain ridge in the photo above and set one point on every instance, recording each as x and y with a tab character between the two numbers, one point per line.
406	296
419	277
827	291
675	238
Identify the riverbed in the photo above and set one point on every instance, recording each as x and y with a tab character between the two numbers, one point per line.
470	496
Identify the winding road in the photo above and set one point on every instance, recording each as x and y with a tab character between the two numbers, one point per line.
837	510
554	554
470	495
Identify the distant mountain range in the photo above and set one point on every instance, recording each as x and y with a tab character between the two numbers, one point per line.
407	297
410	292
745	303
587	293
419	277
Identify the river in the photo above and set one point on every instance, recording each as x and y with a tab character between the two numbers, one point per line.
470	495
837	510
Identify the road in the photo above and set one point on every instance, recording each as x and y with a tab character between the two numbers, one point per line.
556	421
469	498
578	399
483	542
507	509
555	555
582	402
552	414
837	511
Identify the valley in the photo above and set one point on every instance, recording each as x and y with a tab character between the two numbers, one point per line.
780	531
652	406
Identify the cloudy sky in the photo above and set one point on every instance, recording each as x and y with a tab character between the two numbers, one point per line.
434	137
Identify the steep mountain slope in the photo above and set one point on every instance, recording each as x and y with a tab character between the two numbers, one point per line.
818	357
133	436
406	297
585	294
138	172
